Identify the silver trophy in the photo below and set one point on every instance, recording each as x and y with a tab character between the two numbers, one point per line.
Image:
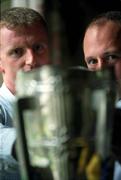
64	122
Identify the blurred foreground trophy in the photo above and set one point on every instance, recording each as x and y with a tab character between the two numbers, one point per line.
43	109
64	123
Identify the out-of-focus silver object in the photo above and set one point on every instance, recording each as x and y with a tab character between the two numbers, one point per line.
64	119
43	111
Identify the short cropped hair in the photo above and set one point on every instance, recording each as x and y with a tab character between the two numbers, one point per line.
114	16
20	16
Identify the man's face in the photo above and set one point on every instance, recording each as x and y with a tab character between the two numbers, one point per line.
24	48
102	47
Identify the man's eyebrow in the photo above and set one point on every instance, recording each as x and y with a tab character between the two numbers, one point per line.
90	57
112	52
16	47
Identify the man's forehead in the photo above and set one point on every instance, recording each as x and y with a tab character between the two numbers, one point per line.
7	34
110	32
109	26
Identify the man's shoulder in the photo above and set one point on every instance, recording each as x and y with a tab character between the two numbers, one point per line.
118	104
6	106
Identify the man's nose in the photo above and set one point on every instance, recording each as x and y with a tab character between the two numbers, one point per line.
30	57
101	63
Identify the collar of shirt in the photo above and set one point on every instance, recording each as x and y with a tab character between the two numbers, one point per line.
7	98
5	92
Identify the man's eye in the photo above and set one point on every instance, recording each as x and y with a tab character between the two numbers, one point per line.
17	52
112	58
92	61
39	48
